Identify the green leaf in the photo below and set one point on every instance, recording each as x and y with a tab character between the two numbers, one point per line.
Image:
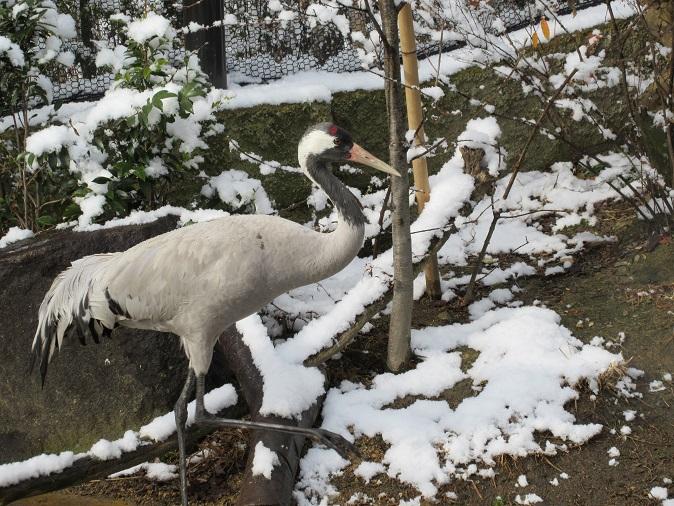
159	96
64	159
185	106
192	89
116	205
47	221
99	143
162	94
140	174
53	161
100	180
145	112
72	211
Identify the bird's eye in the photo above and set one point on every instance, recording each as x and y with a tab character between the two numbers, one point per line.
338	141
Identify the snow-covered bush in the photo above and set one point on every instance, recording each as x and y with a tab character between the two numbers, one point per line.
147	129
33	41
162	136
33	35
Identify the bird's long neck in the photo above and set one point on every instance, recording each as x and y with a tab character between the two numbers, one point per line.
345	202
342	245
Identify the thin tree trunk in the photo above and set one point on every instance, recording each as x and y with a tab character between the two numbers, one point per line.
401	313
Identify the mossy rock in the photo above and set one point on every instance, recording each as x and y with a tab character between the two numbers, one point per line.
93	391
273	131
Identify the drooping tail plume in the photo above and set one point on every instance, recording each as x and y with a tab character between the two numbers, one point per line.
65	311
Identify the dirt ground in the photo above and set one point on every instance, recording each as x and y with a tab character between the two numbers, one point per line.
612	288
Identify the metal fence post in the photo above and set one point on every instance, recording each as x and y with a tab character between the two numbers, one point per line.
211	41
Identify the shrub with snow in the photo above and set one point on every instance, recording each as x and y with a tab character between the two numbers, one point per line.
103	159
149	127
34	39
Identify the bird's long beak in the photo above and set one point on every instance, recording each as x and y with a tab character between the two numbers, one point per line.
358	154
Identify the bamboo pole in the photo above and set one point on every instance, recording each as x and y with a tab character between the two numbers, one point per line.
408	47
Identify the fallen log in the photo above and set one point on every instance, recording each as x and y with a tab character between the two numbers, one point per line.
258	490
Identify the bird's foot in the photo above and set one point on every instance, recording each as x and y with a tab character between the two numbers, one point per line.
341	445
330	439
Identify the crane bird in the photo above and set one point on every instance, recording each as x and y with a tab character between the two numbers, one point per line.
198	280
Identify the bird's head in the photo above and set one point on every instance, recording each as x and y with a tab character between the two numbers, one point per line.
327	142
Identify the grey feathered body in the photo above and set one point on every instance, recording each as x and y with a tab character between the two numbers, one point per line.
198	280
194	281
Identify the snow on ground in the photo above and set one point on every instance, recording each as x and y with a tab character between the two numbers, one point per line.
658	493
535	195
527	368
156	471
264	461
157	430
528	499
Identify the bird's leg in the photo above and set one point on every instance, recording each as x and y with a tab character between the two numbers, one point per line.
181	420
201	390
330	439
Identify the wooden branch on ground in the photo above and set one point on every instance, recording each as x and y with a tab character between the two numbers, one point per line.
89	468
258	490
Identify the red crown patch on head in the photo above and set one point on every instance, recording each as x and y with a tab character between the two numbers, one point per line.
332	130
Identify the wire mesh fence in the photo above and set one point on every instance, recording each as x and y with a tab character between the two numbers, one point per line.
258	47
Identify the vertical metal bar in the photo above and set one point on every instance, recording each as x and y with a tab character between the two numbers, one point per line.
211	41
